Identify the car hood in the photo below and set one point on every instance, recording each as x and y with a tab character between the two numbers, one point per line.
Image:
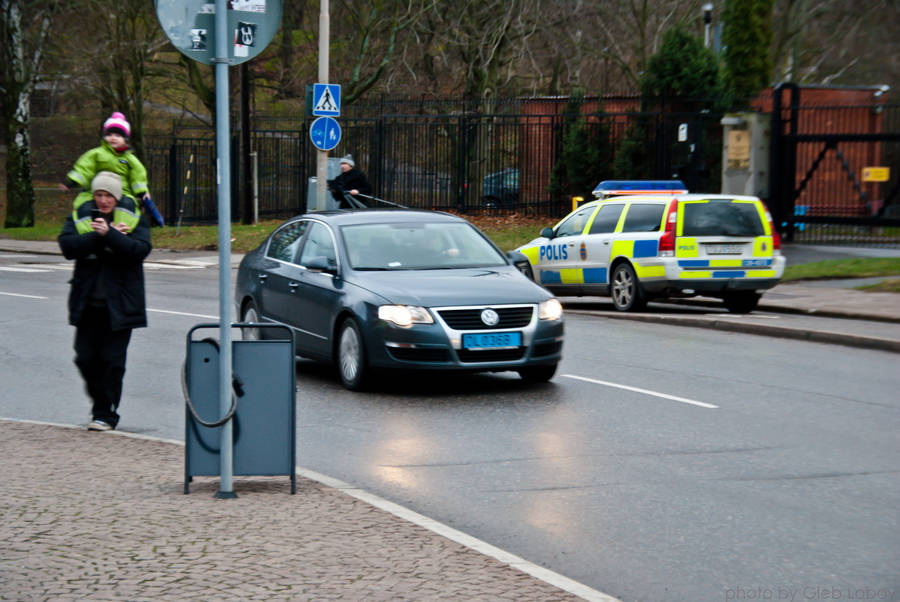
436	288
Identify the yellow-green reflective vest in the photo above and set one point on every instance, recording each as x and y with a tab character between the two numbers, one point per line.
126	211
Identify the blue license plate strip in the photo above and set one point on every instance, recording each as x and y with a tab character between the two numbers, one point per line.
492	340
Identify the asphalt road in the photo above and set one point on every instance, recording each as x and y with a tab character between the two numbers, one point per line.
662	463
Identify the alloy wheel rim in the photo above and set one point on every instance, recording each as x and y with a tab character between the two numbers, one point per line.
349	354
622	288
251	334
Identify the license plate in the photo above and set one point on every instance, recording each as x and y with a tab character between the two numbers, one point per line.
493	340
724	249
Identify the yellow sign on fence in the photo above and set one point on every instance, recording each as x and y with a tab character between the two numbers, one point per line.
876	174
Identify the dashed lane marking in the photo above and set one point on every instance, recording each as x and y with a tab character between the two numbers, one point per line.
23	296
693	402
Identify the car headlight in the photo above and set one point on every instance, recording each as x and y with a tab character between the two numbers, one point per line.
404	315
551	309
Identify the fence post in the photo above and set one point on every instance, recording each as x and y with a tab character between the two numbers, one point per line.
173	181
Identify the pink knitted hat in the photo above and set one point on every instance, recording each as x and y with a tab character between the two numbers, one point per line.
117	121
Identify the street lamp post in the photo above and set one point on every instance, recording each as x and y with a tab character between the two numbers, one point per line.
707	19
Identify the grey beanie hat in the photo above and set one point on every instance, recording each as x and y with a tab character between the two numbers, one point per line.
108	181
348	159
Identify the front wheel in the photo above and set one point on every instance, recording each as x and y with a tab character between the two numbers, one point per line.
351	356
741	302
250	314
627	294
537	374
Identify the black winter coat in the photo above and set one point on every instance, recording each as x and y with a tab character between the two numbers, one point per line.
120	257
351	180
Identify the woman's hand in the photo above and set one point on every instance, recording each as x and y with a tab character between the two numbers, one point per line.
100	226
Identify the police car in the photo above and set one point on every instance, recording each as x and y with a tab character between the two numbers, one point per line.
644	240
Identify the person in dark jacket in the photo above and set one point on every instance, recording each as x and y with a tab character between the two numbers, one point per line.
106	299
351	181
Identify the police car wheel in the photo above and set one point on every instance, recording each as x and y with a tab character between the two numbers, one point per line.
351	356
741	302
537	374
626	291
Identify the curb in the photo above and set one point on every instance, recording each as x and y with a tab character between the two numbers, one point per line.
781	309
817	336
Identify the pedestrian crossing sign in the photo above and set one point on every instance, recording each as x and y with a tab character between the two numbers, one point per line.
326	100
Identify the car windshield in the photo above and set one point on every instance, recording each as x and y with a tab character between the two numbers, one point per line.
728	218
418	246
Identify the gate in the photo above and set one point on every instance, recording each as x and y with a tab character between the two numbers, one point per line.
818	158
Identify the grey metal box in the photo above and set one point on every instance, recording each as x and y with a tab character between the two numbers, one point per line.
264	429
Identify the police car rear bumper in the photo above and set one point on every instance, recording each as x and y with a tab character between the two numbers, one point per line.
718	285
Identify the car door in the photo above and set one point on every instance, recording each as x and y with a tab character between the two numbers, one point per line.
275	290
557	266
638	239
318	294
597	246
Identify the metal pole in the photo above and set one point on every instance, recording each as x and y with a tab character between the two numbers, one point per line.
223	183
322	156
255	173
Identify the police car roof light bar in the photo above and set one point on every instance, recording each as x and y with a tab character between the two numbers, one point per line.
609	188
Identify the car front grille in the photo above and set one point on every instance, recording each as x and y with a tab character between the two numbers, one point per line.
470	318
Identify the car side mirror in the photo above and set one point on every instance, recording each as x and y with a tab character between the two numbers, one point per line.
548	233
322	264
521	263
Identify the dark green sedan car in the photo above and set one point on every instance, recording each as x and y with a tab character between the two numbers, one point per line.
377	289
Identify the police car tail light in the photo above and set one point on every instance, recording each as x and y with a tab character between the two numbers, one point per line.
667	240
776	238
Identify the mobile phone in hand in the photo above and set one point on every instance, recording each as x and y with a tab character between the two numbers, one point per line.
95	214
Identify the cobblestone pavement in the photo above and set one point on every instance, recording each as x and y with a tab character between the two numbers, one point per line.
102	516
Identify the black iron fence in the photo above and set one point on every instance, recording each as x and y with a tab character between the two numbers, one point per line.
470	162
463	162
836	171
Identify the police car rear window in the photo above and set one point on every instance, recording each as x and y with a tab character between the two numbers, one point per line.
643	217
721	218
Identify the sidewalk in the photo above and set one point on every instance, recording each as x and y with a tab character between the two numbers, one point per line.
103	516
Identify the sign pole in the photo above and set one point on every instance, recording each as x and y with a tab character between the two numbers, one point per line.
322	155
223	181
239	33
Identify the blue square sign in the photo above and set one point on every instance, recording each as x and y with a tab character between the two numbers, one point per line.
326	100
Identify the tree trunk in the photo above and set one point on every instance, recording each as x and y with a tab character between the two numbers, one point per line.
19	188
18	83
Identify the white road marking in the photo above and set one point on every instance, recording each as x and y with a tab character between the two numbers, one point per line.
745	316
9	268
25	296
181	313
692	402
482	547
152	265
546	575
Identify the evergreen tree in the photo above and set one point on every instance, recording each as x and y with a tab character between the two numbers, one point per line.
747	37
682	67
586	153
682	70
